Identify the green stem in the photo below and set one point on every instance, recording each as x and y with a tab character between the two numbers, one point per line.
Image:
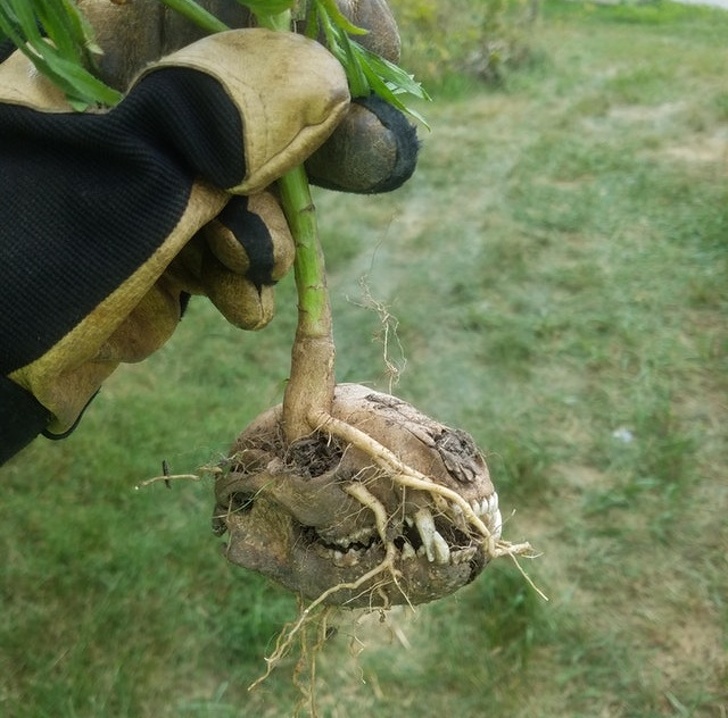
309	268
310	388
281	22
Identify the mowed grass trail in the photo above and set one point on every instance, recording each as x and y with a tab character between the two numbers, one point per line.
557	269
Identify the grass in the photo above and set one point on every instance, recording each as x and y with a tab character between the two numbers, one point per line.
557	267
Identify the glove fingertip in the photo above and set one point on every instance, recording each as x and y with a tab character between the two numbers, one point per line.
373	150
238	299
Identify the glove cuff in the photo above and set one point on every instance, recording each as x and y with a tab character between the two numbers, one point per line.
22	418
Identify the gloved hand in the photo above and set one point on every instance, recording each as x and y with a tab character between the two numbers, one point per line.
373	148
110	220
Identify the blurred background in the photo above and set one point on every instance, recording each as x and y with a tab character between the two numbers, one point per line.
554	280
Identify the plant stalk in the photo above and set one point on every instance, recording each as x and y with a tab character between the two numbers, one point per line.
310	387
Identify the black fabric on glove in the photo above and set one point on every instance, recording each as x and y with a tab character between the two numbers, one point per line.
252	233
22	418
405	139
90	229
109	221
7	47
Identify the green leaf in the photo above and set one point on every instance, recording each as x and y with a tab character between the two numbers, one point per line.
66	58
366	72
355	71
61	30
80	26
81	84
61	56
330	9
401	81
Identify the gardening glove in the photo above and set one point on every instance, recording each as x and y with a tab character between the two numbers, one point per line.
134	34
110	220
373	149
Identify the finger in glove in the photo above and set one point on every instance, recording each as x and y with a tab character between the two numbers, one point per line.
248	249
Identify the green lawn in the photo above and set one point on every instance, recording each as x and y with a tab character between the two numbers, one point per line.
557	270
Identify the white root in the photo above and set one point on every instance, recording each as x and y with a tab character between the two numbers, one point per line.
408	477
359	492
166	477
